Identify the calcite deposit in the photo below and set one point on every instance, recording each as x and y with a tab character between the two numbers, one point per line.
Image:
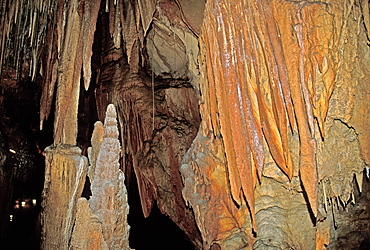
101	222
245	122
65	176
281	64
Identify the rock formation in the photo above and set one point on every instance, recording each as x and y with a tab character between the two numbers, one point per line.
245	122
101	222
65	176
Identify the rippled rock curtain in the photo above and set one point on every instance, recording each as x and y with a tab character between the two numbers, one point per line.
279	79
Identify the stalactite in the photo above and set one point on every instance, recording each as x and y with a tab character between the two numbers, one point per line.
284	60
90	16
241	107
23	29
146	11
50	69
308	170
129	30
74	48
273	71
68	82
37	31
267	83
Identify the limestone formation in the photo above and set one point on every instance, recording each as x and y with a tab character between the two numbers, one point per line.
283	68
245	122
87	232
101	222
65	174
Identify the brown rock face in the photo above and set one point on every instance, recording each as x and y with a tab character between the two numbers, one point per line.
245	122
159	118
156	136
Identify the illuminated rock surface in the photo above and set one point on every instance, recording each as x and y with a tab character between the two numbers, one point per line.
245	122
101	222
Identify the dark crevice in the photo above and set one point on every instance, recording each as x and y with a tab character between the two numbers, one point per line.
87	190
157	231
87	116
22	144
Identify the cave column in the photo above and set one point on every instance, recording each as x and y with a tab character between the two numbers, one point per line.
66	168
65	175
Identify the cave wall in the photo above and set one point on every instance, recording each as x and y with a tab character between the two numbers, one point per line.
246	122
281	86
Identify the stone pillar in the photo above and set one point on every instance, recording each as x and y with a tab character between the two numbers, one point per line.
101	222
65	175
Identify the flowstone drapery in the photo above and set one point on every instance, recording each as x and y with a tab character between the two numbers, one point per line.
277	89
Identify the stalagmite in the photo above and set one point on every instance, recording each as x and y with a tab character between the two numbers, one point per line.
109	195
87	232
65	174
102	221
93	152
